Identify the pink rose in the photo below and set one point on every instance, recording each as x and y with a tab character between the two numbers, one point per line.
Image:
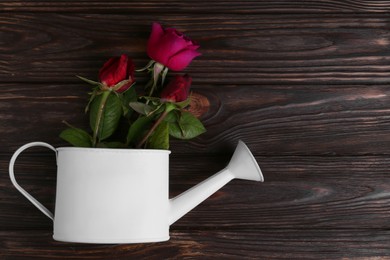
171	48
177	90
116	70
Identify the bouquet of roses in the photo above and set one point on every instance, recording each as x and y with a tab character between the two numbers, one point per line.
119	117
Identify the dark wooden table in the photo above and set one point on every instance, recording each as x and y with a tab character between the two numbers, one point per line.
304	83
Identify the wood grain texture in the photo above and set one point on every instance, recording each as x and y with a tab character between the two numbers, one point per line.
210	244
253	49
273	119
298	192
219	6
304	83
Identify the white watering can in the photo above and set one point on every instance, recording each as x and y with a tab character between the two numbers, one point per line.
121	195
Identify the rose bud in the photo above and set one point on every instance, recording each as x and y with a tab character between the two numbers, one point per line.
177	90
171	48
116	70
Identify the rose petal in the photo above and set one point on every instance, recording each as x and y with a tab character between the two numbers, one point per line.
170	44
154	38
177	90
121	70
193	46
182	59
171	48
129	76
105	73
116	70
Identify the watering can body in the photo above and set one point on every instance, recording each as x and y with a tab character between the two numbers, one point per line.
122	195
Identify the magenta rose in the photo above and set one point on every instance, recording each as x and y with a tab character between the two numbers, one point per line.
177	90
171	48
116	70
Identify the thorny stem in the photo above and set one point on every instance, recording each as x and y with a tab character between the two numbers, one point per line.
159	120
102	105
168	108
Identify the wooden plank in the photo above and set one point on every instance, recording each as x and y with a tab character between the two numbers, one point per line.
175	6
274	120
250	49
298	192
209	244
304	83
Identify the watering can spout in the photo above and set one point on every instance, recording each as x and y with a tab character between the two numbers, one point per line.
242	166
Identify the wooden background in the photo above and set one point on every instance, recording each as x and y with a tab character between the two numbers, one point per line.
304	83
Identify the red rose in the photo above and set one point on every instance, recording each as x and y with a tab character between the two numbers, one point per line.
171	48
177	90
116	70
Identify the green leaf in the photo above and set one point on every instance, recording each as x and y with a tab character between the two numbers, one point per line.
110	116
186	127
76	137
152	101
160	137
137	128
141	108
172	117
184	103
126	97
110	145
93	95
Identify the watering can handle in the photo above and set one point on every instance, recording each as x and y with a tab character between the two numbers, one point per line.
17	186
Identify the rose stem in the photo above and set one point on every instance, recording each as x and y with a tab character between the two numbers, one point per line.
99	115
159	120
